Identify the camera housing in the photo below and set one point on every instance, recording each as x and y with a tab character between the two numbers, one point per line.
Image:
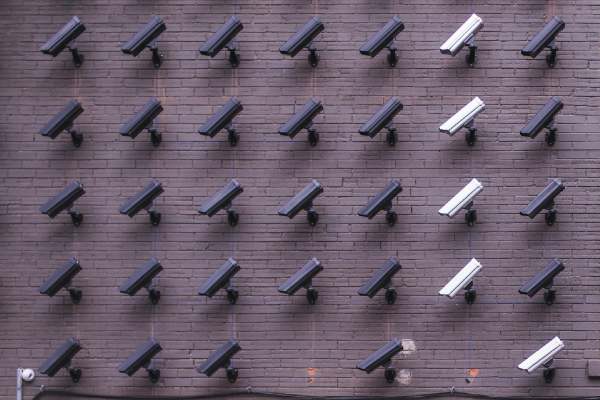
144	119
545	39
142	278
221	358
146	37
222	278
384	38
465	118
544	119
544	279
144	200
142	357
62	278
463	200
382	279
383	118
544	357
222	200
61	358
464	36
463	280
64	200
383	201
303	200
63	121
545	201
303	278
64	38
382	358
223	38
303	39
303	119
223	119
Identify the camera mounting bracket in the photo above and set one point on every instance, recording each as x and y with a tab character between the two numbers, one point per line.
232	216
392	57
313	136
549	371
77	56
551	58
76	137
549	294
232	135
312	294
153	373
390	292
234	58
155	216
550	216
232	373
472	56
313	57
74	293
157	57
74	373
470	214
232	293
390	372
76	216
311	214
471	136
155	136
470	293
551	134
392	137
390	216
153	293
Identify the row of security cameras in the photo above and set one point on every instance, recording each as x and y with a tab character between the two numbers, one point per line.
144	119
224	37
303	200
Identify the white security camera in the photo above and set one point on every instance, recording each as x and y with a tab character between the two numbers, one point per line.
543	357
463	280
465	35
463	200
465	118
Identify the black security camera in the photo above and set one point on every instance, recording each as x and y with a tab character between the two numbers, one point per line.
61	358
303	201
382	279
62	278
383	118
383	201
545	39
382	358
64	201
222	200
221	358
545	201
303	119
544	119
147	38
144	200
142	278
142	357
63	121
221	278
303	39
223	38
63	39
544	279
384	39
223	119
144	119
303	279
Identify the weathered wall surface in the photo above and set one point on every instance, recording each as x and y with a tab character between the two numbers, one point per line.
289	346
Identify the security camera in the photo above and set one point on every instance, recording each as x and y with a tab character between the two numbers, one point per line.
383	119
303	119
382	279
222	200
61	358
221	358
383	201
142	278
303	278
144	200
62	278
463	200
544	357
465	118
142	357
64	39
463	280
221	278
382	358
64	201
544	279
545	39
384	39
303	200
545	201
303	40
223	38
544	119
63	121
147	38
464	36
223	119
144	119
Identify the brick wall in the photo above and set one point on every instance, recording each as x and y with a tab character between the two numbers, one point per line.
289	346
